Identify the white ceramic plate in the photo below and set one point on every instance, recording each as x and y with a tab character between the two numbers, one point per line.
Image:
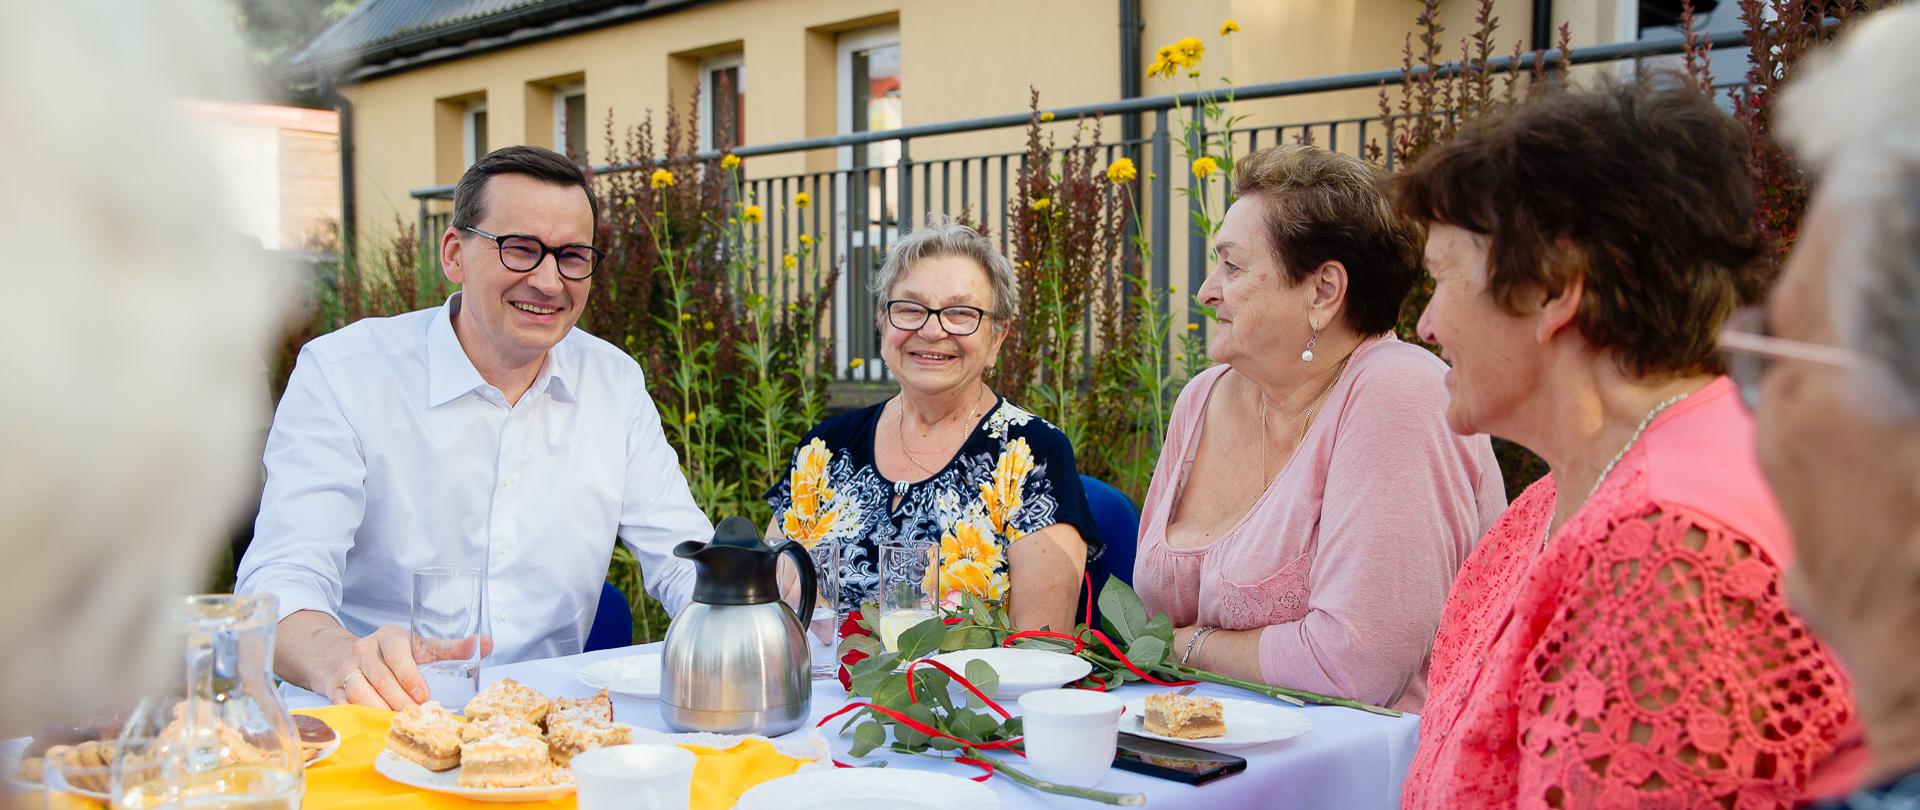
326	751
1248	723
878	788
1021	671
636	675
391	766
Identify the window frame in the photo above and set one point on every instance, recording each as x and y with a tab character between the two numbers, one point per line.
469	127
708	66
560	95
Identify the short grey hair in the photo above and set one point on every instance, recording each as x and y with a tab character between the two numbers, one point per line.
1855	119
942	236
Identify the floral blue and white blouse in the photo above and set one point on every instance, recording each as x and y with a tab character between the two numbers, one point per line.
1013	476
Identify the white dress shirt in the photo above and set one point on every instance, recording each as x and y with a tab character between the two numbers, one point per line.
389	453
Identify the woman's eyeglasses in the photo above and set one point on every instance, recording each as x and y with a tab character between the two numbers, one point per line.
1748	344
958	321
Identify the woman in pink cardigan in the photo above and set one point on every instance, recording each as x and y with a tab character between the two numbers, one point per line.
1619	638
1310	506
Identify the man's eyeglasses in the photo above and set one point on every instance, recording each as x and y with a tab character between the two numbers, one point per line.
959	320
521	253
1748	344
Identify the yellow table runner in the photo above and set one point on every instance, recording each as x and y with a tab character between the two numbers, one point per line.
347	779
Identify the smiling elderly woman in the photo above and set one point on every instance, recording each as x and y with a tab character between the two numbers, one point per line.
946	459
1310	506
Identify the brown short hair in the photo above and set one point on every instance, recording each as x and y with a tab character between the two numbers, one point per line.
469	195
1641	189
1325	206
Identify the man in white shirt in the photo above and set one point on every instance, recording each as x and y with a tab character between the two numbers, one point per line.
487	432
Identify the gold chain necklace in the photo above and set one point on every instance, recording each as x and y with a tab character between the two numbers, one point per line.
901	418
1607	470
1266	444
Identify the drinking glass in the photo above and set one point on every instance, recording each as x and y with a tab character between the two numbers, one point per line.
448	631
823	629
909	581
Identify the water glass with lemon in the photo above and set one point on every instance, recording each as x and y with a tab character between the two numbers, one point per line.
909	583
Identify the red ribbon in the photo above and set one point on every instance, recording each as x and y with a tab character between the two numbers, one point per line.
1079	645
914	697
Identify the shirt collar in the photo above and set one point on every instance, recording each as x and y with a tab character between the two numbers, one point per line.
451	374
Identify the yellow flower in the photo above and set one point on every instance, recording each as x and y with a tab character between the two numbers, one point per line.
661	178
707	325
1002	497
1204	167
1193	74
1045	117
688	419
1121	170
1163	65
1193	327
789	261
1173	289
806	240
803	199
807	486
969	541
730	162
1187	52
856	362
752	215
969	577
686	316
629	201
1041	204
1229	27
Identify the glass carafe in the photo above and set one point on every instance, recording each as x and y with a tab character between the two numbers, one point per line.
221	737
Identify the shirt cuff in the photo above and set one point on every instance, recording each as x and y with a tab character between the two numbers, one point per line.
291	596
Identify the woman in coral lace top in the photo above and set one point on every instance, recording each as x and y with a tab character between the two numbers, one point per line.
1619	638
1310	506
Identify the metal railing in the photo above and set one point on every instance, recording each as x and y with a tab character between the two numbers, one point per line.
859	210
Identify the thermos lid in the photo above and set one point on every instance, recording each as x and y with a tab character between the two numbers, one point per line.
736	568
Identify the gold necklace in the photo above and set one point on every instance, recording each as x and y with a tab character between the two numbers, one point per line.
901	417
1266	444
1608	470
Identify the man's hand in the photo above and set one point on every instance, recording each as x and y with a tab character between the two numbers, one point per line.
378	670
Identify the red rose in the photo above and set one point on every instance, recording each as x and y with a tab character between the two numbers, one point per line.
849	628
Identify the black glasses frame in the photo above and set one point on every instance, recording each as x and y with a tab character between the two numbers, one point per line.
936	313
499	244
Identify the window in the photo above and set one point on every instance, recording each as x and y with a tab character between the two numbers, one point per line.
723	102
474	136
868	99
570	121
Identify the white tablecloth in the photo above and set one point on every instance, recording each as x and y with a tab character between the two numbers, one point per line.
1351	759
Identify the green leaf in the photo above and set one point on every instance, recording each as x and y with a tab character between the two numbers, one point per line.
1121	606
866	738
1161	627
865	644
984	677
892	694
943	744
1147	651
922	639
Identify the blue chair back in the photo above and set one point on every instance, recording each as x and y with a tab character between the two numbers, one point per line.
1118	522
613	622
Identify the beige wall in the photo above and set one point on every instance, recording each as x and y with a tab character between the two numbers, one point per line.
959	60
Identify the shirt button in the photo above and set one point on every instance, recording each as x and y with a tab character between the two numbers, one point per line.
511	480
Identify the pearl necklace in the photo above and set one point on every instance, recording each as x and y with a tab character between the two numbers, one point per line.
1607	470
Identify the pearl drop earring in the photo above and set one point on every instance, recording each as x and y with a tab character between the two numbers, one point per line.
1312	341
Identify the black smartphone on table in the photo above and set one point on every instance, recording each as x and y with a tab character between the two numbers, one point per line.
1172	761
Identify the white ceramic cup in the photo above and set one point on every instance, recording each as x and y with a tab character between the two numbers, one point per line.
634	777
1070	734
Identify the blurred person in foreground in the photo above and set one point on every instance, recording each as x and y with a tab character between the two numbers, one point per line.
1310	507
133	354
1830	365
1620	637
486	432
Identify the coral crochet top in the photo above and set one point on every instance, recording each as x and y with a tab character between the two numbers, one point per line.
1645	657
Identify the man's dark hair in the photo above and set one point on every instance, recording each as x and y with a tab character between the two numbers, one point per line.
469	196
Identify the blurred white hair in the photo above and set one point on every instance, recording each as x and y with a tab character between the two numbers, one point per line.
131	349
1855	119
